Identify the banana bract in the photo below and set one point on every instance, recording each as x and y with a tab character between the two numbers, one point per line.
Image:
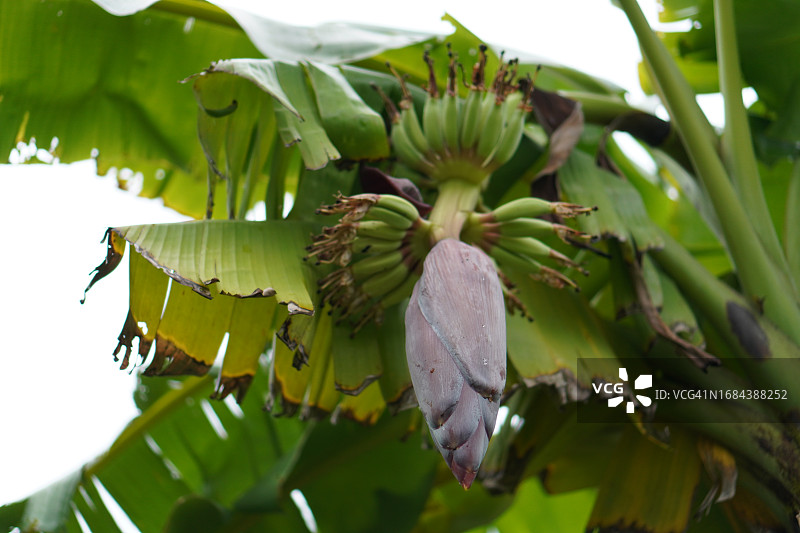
456	351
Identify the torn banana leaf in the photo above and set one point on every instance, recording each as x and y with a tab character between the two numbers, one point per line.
240	258
189	334
318	369
216	259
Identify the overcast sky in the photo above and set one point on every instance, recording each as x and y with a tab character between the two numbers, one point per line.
62	398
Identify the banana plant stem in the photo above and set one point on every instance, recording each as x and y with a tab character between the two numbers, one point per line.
762	281
456	200
737	146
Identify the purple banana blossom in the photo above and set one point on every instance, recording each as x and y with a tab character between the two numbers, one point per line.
456	351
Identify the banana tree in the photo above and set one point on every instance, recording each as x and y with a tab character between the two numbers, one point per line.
448	233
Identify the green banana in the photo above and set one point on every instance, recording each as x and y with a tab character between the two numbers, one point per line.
510	110
535	269
432	123
526	227
398	205
450	123
538	228
401	292
471	121
379	230
410	122
536	207
363	244
509	142
392	218
373	264
383	282
534	248
491	132
406	152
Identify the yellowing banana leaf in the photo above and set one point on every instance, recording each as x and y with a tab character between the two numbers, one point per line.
366	408
189	334
216	259
319	369
356	360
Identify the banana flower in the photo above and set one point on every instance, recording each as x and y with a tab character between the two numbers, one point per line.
456	351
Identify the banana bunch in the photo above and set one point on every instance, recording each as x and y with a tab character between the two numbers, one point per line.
465	138
378	245
512	235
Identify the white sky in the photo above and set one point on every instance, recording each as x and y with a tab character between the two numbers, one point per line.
62	398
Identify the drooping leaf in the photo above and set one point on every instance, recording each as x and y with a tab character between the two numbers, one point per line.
356	130
327	43
240	258
236	126
319	369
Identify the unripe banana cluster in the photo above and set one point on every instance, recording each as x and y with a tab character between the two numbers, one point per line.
378	245
511	236
464	138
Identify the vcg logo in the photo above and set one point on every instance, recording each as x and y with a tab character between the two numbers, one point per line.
617	390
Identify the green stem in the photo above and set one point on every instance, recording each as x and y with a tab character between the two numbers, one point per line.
755	340
791	228
250	175
144	422
761	279
456	200
276	187
737	145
